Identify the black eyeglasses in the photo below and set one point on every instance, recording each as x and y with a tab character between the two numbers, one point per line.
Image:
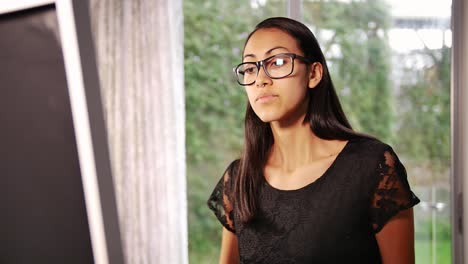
276	67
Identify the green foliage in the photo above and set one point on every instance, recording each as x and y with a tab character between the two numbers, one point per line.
215	32
204	230
424	230
358	57
425	253
425	111
214	111
213	101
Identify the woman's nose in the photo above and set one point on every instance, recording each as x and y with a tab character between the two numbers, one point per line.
262	78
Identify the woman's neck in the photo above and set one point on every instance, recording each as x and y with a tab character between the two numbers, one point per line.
296	145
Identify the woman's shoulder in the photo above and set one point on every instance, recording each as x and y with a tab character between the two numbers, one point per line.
234	164
369	149
232	168
369	145
230	172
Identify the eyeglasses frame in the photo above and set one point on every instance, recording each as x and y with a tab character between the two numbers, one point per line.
261	63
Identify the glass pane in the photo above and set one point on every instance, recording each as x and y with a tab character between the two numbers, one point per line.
215	104
390	62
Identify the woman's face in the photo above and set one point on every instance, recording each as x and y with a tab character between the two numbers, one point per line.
277	100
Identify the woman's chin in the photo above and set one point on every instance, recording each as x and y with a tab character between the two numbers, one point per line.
267	117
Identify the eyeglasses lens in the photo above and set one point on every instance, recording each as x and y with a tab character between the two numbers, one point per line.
276	67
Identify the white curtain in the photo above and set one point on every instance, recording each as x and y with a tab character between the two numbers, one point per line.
139	48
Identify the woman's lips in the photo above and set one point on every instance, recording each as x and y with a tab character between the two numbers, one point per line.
265	98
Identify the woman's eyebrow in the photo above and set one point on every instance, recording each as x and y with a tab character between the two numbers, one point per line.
266	53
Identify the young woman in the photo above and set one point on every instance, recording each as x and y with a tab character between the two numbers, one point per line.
307	188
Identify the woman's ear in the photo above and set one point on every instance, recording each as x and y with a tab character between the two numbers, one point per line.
315	74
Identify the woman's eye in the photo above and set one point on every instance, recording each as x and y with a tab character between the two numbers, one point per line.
278	62
249	70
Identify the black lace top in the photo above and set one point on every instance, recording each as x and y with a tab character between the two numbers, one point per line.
332	220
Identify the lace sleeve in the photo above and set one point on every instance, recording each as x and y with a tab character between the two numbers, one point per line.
392	192
220	200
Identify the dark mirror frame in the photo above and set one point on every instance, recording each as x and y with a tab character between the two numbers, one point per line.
86	126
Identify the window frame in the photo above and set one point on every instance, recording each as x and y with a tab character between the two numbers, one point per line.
459	131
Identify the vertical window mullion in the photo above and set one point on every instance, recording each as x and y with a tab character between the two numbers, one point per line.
458	139
295	9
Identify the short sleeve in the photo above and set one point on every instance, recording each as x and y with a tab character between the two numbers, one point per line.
220	201
391	194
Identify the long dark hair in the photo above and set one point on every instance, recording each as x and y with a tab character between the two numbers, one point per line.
324	114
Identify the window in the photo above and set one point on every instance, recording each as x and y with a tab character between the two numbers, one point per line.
390	62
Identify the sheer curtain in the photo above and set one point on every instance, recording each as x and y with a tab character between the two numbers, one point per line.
139	48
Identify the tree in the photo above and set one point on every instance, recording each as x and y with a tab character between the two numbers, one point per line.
354	39
425	112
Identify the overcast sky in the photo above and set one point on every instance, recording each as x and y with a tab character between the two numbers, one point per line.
421	8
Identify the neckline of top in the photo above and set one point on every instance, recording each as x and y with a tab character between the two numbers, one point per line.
319	179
